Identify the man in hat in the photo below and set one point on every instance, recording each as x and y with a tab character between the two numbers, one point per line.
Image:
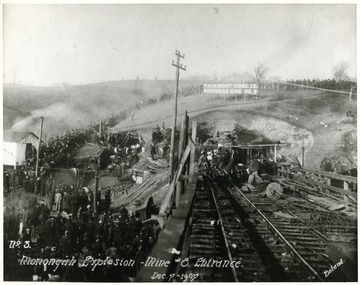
66	202
58	198
65	242
73	202
107	198
26	237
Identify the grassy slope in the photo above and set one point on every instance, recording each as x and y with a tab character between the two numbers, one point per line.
309	108
77	106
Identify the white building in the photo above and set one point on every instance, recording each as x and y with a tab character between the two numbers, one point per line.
19	146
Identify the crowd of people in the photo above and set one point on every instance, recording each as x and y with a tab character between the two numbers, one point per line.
235	161
303	84
160	146
333	165
183	92
63	224
59	151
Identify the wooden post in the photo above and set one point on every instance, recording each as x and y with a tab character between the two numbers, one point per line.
303	156
346	187
275	153
100	123
97	168
328	182
39	148
173	132
186	143
180	184
193	148
350	94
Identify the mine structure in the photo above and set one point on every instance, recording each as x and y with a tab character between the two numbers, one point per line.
191	203
254	219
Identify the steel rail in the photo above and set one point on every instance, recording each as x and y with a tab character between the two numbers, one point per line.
293	249
223	232
315	231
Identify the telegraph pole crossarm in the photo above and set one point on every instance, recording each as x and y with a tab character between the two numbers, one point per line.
178	67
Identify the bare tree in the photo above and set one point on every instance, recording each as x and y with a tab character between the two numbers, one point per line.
260	71
340	71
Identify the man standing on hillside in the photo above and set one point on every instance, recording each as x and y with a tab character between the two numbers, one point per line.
152	151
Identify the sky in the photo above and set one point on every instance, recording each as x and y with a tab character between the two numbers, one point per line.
46	45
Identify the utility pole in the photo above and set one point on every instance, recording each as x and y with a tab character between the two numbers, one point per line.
178	67
39	146
100	123
97	168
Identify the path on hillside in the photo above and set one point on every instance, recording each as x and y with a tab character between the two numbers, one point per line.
145	118
325	141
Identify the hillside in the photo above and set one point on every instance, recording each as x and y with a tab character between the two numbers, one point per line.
69	106
11	115
317	119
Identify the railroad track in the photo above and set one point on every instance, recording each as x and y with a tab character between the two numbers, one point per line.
230	225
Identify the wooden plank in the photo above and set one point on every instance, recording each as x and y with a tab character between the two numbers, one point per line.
182	137
332	188
166	202
353	199
323	201
186	140
182	162
180	184
168	199
337	207
171	237
346	178
193	148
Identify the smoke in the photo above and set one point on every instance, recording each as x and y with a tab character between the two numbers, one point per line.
57	118
78	106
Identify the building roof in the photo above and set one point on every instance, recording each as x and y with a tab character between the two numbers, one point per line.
10	136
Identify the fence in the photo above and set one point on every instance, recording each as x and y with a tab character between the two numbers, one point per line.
327	181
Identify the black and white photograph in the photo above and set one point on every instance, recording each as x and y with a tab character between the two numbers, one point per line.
173	142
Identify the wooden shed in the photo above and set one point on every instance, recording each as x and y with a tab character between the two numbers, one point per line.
18	147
